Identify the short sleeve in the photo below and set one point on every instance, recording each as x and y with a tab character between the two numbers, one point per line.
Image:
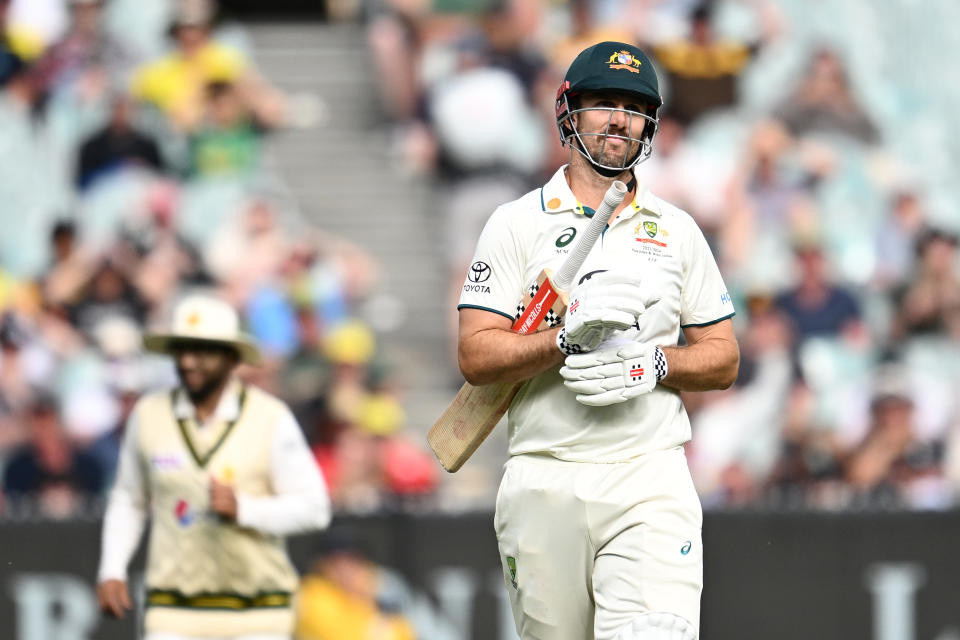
493	280
704	299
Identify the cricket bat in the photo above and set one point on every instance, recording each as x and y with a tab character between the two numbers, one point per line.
476	410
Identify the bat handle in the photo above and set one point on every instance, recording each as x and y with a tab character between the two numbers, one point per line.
611	200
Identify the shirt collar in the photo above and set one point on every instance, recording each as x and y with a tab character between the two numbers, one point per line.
556	197
228	408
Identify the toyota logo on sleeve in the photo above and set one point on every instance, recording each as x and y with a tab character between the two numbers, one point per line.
479	272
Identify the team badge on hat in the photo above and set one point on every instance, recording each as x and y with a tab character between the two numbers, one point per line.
624	60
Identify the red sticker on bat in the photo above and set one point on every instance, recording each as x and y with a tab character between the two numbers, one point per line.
538	307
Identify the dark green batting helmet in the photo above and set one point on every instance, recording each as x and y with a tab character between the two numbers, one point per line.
610	66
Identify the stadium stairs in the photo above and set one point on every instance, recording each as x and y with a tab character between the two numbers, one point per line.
341	176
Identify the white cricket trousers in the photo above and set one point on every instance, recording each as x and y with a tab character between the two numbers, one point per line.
160	635
586	547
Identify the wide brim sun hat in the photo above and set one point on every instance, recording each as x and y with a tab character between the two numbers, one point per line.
203	318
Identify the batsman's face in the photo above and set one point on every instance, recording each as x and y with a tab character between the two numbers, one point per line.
611	125
203	367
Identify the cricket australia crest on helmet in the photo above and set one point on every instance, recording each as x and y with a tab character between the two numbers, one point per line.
614	67
625	60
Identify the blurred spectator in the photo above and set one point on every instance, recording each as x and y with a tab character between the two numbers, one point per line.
108	292
892	465
373	466
20	91
808	467
330	279
702	70
14	386
69	268
823	102
737	434
86	58
584	31
49	467
896	239
507	27
161	259
395	40
484	124
367	460
306	372
176	83
26	196
342	597
125	376
117	145
769	200
8	59
25	362
248	249
815	306
227	140
930	303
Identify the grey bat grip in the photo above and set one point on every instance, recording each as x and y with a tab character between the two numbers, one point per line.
568	270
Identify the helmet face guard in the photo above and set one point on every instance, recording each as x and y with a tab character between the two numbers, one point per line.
614	67
638	135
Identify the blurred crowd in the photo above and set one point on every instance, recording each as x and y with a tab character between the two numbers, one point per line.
843	270
131	172
132	154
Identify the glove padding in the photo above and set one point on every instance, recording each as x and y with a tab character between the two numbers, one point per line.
600	307
615	374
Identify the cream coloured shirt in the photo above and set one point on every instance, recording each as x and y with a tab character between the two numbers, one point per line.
300	501
652	240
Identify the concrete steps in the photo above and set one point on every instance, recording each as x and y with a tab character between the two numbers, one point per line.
340	175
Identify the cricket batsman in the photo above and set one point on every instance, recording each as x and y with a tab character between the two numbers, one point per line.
597	519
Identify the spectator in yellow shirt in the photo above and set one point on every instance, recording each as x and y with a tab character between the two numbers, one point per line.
338	598
176	83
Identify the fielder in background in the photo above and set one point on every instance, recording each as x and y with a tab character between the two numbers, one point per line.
224	473
597	519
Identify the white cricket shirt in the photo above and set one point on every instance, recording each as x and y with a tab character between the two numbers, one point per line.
655	241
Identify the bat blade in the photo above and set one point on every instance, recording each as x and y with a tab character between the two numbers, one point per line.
467	422
476	410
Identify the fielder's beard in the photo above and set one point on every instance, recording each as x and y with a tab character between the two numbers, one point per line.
205	391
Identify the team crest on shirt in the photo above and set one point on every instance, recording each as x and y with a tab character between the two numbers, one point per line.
651	241
185	515
652	230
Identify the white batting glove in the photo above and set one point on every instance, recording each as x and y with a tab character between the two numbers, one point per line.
614	374
600	307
